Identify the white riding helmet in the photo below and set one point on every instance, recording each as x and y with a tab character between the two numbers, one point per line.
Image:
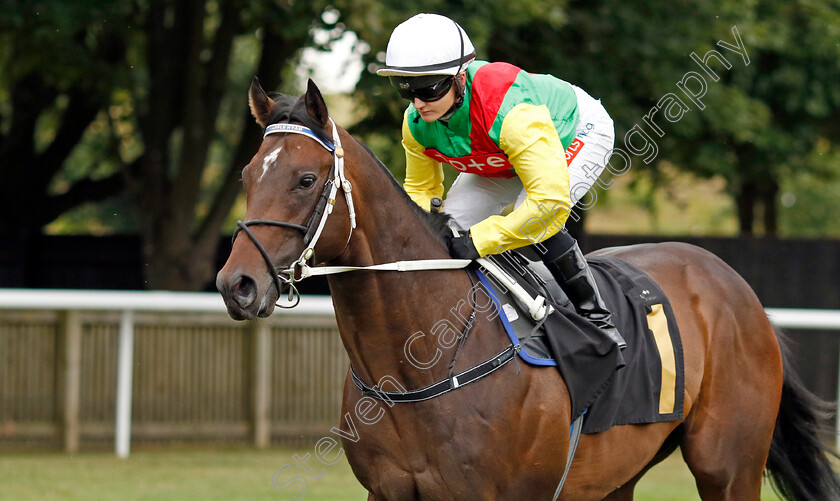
427	44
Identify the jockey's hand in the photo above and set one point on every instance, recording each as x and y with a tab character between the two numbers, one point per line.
462	247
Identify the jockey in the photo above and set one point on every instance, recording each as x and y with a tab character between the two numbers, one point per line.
532	140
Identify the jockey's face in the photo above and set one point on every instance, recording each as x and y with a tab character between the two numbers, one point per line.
431	111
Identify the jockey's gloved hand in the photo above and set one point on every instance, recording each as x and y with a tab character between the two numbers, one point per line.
462	247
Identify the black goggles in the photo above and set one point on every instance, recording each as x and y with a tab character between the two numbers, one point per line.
429	88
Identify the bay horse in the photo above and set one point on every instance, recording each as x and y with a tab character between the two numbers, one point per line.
507	435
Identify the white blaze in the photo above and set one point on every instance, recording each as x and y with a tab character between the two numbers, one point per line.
268	160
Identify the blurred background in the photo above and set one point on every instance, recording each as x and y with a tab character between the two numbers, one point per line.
124	127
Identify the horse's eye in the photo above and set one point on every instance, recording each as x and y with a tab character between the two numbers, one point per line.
307	181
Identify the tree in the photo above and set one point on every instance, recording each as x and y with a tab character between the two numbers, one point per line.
146	99
764	117
188	50
56	76
169	77
771	117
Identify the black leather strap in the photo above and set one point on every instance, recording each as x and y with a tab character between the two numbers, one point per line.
437	389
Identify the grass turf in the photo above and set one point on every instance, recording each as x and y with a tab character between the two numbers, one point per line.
230	474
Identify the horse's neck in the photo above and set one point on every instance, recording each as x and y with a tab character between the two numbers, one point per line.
378	312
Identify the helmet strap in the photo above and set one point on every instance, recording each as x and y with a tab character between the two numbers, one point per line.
460	92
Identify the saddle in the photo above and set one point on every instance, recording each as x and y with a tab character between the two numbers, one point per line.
642	384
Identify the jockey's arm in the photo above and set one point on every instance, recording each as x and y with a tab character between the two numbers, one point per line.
530	141
423	175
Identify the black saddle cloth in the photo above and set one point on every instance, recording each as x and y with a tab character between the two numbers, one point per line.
643	384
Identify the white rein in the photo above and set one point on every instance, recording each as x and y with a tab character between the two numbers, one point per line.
537	306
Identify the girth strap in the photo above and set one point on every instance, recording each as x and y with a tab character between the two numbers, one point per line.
574	440
461	379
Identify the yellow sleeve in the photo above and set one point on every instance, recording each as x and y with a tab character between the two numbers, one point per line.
423	175
531	143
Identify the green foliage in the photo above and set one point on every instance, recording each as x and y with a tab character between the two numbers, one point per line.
61	41
768	128
59	63
810	199
760	121
98	95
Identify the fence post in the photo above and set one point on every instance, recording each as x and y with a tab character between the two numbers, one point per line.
125	372
260	383
68	356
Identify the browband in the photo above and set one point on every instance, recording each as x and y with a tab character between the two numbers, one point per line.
297	129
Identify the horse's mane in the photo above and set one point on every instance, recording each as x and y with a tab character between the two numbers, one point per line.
437	222
292	109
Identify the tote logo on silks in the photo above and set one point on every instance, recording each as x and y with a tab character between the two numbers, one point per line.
487	165
492	164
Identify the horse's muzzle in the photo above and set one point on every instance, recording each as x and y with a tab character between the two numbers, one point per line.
242	297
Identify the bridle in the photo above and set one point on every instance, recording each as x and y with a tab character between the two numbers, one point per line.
315	225
299	269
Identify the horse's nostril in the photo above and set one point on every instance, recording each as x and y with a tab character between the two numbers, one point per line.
245	291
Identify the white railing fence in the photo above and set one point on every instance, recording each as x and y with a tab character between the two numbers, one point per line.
128	303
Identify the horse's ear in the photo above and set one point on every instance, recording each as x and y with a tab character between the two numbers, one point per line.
315	105
259	102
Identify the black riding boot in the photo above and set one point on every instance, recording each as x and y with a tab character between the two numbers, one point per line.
572	273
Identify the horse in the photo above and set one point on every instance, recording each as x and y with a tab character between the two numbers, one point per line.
507	435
